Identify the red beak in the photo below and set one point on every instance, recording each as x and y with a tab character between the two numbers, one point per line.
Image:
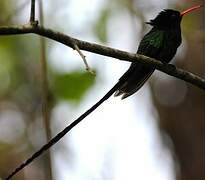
190	9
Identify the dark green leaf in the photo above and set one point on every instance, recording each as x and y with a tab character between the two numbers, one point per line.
100	28
72	86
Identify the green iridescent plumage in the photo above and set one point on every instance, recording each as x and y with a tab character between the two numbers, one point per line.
154	39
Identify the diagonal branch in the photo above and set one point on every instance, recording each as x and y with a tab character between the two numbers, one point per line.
105	51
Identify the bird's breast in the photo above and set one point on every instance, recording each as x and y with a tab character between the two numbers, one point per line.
172	41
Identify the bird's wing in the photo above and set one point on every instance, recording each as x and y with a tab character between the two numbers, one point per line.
138	73
152	43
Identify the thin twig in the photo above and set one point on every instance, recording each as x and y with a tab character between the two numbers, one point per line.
84	59
45	103
32	14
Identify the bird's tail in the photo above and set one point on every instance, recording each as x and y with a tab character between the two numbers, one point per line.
55	139
133	80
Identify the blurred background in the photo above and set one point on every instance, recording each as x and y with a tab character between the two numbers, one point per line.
158	134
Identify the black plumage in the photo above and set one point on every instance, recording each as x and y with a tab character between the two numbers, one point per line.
161	43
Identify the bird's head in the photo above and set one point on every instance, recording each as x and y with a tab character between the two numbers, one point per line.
169	18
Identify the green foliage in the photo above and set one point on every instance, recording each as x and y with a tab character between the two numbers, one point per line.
100	28
72	86
189	24
16	63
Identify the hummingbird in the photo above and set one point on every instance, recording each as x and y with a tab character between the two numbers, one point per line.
161	43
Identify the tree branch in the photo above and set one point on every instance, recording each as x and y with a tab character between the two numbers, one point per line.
46	113
105	51
32	14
